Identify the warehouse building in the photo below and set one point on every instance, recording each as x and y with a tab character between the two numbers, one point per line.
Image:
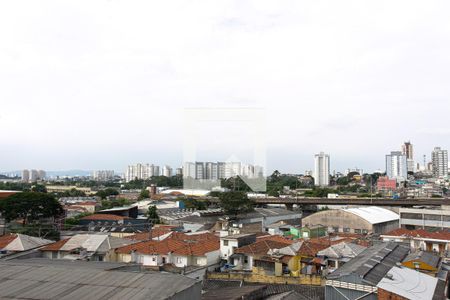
61	279
363	220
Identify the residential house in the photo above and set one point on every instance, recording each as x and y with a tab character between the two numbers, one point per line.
423	261
16	242
420	239
178	249
229	243
244	258
94	247
338	254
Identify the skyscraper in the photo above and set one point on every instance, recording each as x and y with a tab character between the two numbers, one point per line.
439	159
167	171
408	151
321	169
396	166
25	175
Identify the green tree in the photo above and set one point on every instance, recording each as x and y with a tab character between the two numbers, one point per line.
107	204
145	194
235	202
107	192
39	188
152	215
30	207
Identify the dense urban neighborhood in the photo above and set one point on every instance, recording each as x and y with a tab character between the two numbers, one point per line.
232	240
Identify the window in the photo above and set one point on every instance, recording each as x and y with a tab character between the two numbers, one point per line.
365	231
246	260
346	229
358	231
432	217
411	216
225	242
179	260
100	258
153	258
336	229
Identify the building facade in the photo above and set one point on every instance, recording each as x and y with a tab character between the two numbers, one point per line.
439	159
396	166
321	169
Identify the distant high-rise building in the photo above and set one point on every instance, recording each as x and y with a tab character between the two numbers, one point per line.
220	170
103	175
439	159
141	171
408	151
321	169
167	171
179	171
34	175
25	175
41	174
308	173
396	166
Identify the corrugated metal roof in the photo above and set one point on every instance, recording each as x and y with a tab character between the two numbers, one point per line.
50	279
374	214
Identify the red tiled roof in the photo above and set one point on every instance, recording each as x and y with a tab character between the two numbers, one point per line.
310	249
144	236
421	233
6	239
261	247
54	246
166	246
274	238
194	237
104	217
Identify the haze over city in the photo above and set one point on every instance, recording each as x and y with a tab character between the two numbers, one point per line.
104	85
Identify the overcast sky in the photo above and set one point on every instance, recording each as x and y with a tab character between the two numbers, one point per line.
103	84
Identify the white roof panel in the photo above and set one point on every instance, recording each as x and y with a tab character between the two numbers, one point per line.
409	284
374	214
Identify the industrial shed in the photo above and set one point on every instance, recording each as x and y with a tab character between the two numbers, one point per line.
363	220
60	279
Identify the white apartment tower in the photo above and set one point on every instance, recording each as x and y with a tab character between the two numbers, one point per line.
321	169
167	171
396	166
439	159
25	175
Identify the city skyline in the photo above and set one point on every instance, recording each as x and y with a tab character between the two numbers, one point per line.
115	86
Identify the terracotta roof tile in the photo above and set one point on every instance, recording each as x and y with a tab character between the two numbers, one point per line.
104	217
310	249
6	239
261	247
179	243
54	246
144	236
421	233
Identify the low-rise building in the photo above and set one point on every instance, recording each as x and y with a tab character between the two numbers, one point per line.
425	218
16	242
358	278
244	257
60	279
363	220
423	261
419	239
406	284
178	249
339	254
231	242
94	247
